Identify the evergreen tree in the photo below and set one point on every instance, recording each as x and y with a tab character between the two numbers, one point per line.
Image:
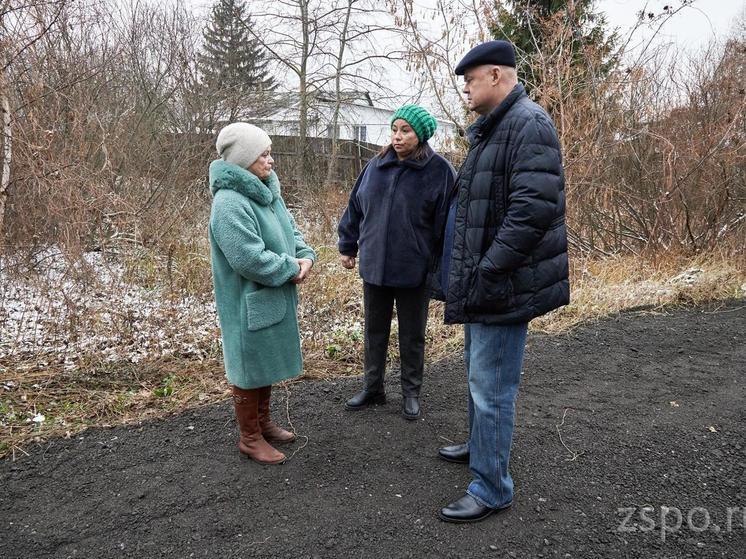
529	24
232	65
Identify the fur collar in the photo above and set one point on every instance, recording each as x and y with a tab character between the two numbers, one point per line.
391	159
224	175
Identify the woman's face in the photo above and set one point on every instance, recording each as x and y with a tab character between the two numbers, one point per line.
262	167
403	138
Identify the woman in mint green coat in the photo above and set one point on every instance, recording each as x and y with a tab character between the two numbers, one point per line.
258	259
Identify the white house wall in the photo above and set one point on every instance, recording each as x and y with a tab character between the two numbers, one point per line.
376	121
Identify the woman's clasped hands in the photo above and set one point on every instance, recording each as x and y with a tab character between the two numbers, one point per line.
305	270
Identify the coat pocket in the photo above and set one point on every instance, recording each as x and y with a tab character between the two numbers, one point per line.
489	293
265	308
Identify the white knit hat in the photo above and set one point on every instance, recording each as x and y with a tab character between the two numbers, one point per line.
242	143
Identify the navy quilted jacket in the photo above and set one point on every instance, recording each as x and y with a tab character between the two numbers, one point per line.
509	257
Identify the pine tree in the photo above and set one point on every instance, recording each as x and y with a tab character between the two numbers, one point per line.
529	24
233	66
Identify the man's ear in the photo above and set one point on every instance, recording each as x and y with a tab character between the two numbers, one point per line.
495	72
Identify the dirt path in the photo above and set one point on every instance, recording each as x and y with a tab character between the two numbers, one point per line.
653	405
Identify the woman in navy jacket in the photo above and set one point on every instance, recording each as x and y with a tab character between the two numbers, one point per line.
391	225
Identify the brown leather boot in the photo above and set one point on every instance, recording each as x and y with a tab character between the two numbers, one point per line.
270	430
250	441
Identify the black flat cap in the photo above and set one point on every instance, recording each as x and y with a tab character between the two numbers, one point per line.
500	53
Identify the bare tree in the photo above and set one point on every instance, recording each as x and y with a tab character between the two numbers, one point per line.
291	32
367	40
323	44
104	146
7	151
7	137
22	25
433	49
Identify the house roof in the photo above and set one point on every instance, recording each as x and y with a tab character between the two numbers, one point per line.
275	103
346	97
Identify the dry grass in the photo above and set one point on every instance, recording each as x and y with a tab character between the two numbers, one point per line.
117	393
97	393
605	287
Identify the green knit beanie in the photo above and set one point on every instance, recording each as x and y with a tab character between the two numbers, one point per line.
421	121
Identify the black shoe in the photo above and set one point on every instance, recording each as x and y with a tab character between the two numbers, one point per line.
410	407
468	509
458	453
363	399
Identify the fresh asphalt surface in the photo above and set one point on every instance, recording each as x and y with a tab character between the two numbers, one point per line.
615	421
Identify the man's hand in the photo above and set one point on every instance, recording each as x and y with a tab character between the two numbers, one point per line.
305	269
347	261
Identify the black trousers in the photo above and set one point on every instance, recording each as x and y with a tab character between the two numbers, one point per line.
411	310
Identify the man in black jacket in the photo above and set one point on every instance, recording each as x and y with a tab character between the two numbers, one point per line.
504	262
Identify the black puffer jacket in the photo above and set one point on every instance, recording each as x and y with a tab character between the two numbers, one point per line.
509	258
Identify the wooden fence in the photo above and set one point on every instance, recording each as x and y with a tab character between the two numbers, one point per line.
351	158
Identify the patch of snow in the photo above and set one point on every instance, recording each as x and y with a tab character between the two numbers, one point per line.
57	314
688	277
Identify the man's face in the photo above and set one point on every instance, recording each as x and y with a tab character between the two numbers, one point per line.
480	87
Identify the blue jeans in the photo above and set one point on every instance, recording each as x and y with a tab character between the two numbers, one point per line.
494	357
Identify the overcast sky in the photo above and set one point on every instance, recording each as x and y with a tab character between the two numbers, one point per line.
691	29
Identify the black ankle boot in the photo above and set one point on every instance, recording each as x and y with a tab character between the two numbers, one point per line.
363	399
410	408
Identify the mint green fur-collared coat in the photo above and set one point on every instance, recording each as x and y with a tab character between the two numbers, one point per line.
254	243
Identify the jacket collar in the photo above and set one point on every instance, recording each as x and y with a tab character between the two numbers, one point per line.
484	124
391	159
224	175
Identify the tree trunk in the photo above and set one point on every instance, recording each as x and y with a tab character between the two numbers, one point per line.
7	154
302	148
331	171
